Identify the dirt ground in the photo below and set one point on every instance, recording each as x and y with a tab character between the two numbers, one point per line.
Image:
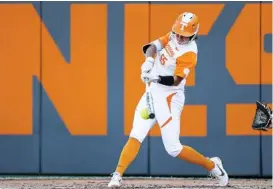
128	182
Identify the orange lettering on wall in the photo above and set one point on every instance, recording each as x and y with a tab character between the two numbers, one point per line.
248	63
243	46
136	37
79	90
19	61
239	119
266	63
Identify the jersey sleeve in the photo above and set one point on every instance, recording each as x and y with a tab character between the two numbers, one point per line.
160	43
164	40
184	63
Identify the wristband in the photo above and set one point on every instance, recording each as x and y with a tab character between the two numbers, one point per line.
166	80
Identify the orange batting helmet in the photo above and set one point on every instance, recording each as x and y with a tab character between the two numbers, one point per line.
187	25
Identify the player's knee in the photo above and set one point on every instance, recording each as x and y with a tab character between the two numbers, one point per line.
174	149
138	137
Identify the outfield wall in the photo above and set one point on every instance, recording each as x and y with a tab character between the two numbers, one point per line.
70	80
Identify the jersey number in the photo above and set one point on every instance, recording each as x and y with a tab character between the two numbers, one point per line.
163	59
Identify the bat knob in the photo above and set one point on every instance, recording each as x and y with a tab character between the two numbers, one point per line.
152	116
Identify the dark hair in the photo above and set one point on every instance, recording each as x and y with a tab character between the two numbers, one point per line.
195	37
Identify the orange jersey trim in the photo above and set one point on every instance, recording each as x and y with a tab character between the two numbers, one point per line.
187	60
169	101
164	39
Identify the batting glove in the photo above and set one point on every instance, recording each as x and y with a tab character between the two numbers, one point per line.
147	65
147	77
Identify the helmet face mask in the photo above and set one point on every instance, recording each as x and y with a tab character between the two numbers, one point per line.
185	28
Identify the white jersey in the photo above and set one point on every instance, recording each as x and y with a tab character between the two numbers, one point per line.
173	59
168	101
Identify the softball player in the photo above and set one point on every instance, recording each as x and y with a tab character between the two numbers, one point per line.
169	60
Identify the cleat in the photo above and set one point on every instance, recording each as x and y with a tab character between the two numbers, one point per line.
219	172
115	180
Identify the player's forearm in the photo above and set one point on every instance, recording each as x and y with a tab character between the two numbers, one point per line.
177	80
170	80
150	52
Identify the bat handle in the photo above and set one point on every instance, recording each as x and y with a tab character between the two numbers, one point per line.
147	87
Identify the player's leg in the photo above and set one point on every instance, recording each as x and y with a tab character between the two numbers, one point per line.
170	131
129	152
138	133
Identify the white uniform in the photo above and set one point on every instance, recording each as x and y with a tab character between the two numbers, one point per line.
171	59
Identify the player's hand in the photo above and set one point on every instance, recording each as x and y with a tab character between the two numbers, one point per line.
148	77
147	65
